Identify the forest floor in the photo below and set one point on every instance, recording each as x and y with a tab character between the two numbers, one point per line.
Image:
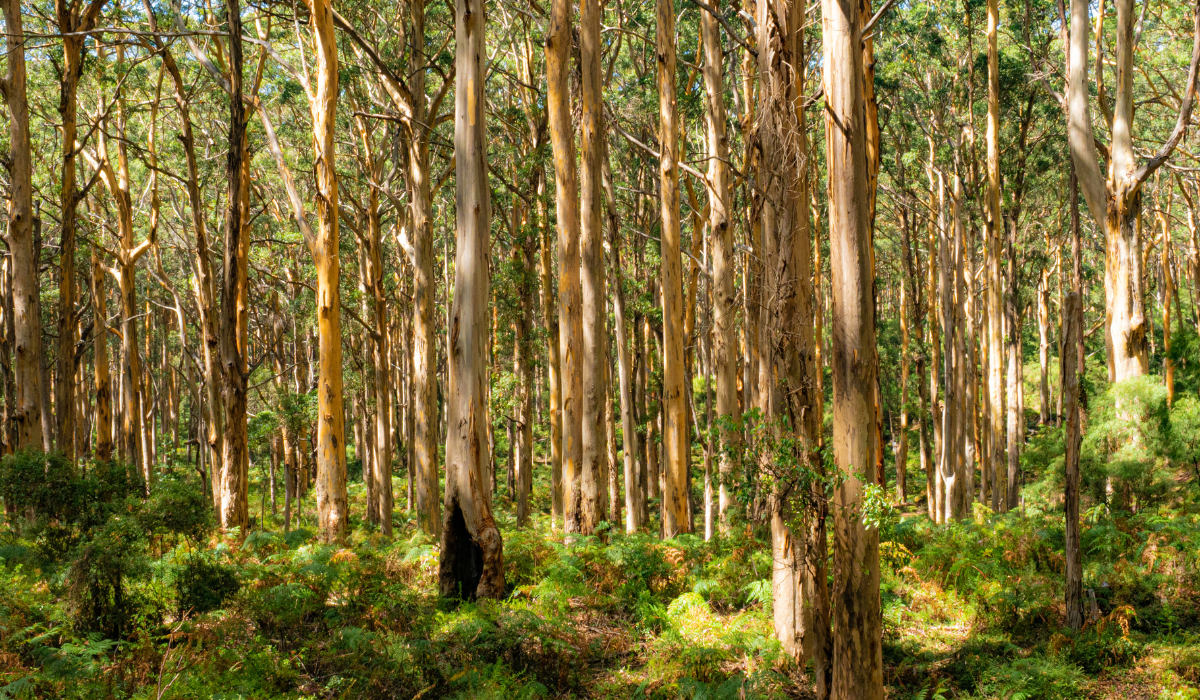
133	602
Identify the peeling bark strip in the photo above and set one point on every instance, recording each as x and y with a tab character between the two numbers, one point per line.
472	562
858	624
1116	202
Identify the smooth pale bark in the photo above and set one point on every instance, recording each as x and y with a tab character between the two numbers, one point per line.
570	319
995	334
27	410
594	336
235	461
333	510
104	443
725	345
676	452
1116	202
858	623
472	563
635	492
953	457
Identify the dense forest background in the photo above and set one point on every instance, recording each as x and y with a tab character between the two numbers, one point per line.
524	349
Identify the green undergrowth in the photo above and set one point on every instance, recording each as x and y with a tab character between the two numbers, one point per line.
105	593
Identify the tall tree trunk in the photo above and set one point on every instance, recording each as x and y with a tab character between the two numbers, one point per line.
472	563
593	435
1116	203
635	491
332	503
558	108
960	495
550	320
1072	365
995	335
72	25
857	642
424	356
725	345
1168	291
523	369
902	441
27	322
674	392
1044	349
235	462
100	361
378	338
948	455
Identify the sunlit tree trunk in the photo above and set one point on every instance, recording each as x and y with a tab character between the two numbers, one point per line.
558	108
857	625
472	563
1115	202
725	345
332	504
593	434
676	441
